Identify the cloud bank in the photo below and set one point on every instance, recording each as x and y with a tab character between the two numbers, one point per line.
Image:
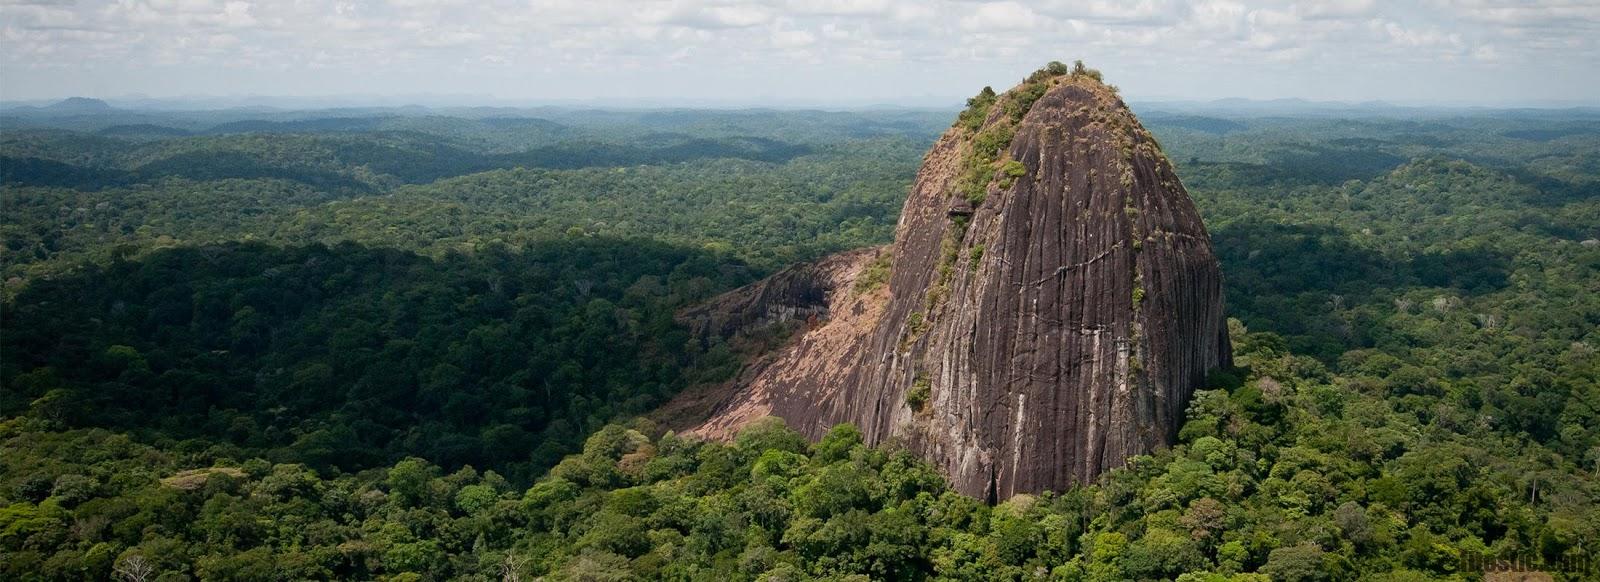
801	51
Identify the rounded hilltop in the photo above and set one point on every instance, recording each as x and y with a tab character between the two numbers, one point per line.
1052	302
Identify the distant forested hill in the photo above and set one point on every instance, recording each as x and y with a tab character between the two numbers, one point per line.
363	345
829	183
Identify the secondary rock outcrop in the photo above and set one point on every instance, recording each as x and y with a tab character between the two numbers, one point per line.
1051	303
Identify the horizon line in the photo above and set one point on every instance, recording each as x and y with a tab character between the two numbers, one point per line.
176	103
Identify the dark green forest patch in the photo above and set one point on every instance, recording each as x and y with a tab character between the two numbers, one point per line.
18	172
352	357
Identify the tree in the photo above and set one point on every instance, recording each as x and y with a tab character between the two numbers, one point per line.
770	434
411	480
1162	553
836	445
1298	562
134	568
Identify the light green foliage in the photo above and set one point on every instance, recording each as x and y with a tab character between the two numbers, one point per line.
778	467
410	482
989	141
921	389
977	110
838	443
770	433
1162	553
876	273
979	170
1300	562
474	499
1010	171
915	324
1050	69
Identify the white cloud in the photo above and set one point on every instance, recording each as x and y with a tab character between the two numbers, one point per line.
1218	17
41	15
1000	16
1523	12
893	45
840	7
1340	8
714	16
1132	12
792	38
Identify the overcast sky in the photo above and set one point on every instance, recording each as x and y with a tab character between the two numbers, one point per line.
810	51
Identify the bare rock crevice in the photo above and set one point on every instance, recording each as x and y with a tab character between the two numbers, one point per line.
798	293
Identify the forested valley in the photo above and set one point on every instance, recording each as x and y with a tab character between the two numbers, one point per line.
395	345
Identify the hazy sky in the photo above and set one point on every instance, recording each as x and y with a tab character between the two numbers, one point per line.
813	51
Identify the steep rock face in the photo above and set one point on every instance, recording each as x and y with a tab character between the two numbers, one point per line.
1052	304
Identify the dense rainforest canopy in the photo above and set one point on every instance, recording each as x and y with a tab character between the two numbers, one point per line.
400	347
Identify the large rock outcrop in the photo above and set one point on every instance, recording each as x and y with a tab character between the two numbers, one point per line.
1051	304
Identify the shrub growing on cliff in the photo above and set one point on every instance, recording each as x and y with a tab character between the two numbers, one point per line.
875	274
1079	70
1051	69
977	110
921	390
1010	172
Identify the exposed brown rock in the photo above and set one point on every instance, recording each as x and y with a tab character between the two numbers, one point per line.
960	207
1060	330
796	293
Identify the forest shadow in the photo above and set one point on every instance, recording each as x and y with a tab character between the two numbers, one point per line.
1297	280
200	166
39	172
224	165
664	150
421	159
353	357
1543	135
1554	191
1285	259
1331	165
143	130
1299	165
315	125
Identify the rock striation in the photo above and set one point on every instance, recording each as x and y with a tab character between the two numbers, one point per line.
1052	302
